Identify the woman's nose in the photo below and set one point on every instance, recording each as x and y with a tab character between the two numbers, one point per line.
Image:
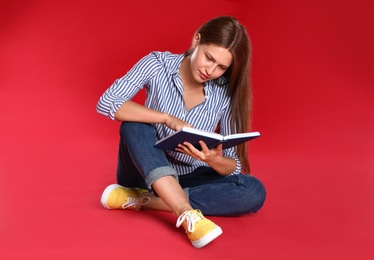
209	70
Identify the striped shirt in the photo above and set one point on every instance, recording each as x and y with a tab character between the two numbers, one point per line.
158	73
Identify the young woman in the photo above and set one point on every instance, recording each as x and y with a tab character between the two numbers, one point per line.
207	88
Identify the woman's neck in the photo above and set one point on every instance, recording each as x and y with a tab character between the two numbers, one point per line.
193	91
186	75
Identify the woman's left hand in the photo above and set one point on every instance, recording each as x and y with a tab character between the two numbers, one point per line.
206	155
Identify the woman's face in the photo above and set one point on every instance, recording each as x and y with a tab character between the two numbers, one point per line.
209	61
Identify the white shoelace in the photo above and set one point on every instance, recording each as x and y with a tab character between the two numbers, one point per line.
191	219
136	202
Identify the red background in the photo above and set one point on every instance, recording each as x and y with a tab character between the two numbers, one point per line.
312	73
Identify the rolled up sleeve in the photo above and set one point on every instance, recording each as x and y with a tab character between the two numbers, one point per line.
126	87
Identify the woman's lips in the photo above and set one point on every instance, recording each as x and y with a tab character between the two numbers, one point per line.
203	76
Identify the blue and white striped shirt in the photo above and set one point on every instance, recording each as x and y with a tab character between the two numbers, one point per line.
158	73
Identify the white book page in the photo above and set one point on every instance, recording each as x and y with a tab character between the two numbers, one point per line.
241	135
202	132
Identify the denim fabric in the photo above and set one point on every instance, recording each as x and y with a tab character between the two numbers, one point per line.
218	195
140	164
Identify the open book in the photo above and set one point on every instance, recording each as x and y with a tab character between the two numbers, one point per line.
211	139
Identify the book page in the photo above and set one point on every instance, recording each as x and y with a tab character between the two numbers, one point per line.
202	132
241	135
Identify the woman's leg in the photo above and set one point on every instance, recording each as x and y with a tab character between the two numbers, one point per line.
223	196
139	162
127	173
142	165
137	150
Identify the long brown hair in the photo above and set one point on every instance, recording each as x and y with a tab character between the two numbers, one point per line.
227	32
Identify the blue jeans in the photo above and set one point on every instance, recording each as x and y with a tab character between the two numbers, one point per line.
140	164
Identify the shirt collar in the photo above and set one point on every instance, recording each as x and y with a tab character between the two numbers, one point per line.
175	64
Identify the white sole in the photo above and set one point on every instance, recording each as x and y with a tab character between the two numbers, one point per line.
105	195
207	238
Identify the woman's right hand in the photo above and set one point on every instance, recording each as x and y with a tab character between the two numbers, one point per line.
175	123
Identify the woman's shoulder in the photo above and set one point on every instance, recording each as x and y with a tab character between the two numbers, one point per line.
165	59
155	59
164	56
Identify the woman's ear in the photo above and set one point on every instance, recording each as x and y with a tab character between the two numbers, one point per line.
196	40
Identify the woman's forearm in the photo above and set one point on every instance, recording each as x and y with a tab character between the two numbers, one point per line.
131	111
223	165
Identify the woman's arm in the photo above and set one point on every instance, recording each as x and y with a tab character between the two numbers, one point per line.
133	112
223	165
126	87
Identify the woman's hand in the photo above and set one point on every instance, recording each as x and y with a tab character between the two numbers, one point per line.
175	123
206	155
213	157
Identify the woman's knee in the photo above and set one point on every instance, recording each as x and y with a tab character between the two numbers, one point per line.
137	132
133	127
255	192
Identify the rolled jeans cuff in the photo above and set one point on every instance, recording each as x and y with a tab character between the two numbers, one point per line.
157	173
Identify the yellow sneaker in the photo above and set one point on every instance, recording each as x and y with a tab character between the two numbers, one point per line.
199	229
118	197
